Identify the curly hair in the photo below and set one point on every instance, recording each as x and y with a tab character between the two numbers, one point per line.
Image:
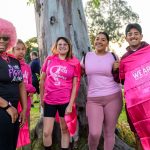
8	29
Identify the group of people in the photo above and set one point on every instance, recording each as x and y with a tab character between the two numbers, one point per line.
59	85
16	89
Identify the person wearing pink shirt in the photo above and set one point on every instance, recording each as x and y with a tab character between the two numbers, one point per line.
19	52
104	96
58	87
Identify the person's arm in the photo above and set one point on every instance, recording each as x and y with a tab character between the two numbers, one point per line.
116	66
23	101
3	103
29	86
73	96
82	64
42	81
12	111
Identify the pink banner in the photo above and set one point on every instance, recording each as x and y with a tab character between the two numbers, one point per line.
135	69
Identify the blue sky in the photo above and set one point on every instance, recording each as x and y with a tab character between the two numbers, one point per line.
21	15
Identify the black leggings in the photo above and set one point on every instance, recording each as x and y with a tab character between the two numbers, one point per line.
8	132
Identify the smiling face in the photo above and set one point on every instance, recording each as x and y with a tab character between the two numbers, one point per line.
134	38
3	43
62	47
101	43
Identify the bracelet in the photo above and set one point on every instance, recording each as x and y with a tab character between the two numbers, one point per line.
9	105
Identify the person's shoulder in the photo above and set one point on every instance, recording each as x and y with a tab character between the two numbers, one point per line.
90	53
28	66
125	55
73	61
51	58
12	57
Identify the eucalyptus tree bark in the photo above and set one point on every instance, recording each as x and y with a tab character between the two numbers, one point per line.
56	18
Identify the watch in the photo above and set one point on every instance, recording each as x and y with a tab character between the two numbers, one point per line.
8	105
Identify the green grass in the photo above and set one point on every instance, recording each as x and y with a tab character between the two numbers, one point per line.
34	115
123	126
122	116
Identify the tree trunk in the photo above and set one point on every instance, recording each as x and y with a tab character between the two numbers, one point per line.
56	18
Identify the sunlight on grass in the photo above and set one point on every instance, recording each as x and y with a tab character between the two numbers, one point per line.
34	115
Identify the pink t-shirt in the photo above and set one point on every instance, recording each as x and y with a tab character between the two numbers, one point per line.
100	79
59	80
27	79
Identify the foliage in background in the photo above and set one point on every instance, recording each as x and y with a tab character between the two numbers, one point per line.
96	3
29	2
110	16
31	46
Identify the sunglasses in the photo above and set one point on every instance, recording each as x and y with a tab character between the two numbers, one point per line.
5	38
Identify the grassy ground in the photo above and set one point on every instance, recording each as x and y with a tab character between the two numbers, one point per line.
35	113
124	130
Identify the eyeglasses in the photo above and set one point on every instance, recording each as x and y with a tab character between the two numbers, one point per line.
4	38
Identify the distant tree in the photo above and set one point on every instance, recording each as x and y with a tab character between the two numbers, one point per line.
32	45
110	16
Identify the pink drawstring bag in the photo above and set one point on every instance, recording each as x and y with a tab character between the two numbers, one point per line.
24	132
135	69
24	136
71	121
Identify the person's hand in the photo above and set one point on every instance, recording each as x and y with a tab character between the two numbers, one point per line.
116	65
42	103
68	109
22	118
31	95
12	111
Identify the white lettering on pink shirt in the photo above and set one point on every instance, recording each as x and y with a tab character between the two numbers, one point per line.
55	72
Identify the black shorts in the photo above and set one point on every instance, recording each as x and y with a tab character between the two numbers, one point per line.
50	110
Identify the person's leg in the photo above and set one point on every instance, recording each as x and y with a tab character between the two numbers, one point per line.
94	112
48	124
65	136
7	141
112	111
76	137
138	142
15	133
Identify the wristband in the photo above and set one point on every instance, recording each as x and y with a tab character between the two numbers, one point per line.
9	105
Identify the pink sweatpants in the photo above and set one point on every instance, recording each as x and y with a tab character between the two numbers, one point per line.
103	112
